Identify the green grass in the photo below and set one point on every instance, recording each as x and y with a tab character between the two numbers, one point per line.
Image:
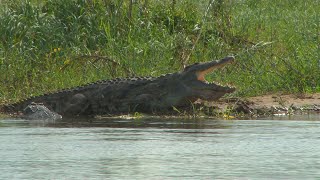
47	45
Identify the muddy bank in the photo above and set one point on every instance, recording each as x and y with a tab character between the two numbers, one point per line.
235	108
268	105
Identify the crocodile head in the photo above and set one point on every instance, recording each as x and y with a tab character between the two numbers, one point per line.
193	80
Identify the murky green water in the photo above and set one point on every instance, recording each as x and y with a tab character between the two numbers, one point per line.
161	149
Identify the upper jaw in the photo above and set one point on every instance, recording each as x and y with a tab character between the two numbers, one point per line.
208	68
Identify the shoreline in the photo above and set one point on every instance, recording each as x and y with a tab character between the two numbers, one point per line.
269	105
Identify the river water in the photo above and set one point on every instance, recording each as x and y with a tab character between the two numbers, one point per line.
281	148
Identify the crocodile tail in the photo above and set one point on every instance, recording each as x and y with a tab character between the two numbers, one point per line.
12	107
8	108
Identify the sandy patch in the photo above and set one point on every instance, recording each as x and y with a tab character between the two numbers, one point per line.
285	100
269	104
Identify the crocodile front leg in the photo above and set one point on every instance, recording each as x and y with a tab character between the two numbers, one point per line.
77	105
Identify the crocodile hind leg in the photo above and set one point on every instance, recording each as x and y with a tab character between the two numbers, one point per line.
77	105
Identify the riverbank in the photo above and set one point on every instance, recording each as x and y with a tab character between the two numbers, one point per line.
240	108
54	45
277	104
268	105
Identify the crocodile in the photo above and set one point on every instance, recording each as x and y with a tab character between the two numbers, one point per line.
125	95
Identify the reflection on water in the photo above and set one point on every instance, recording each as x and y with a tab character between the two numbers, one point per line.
161	149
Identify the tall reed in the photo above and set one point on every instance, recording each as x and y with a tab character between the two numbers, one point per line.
53	44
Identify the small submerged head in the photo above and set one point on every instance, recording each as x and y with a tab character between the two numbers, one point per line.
194	78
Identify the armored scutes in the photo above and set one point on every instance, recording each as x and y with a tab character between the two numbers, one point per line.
141	94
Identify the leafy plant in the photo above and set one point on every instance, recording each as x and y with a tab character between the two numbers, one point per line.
276	43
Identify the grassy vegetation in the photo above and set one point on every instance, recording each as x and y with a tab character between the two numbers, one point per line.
52	44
